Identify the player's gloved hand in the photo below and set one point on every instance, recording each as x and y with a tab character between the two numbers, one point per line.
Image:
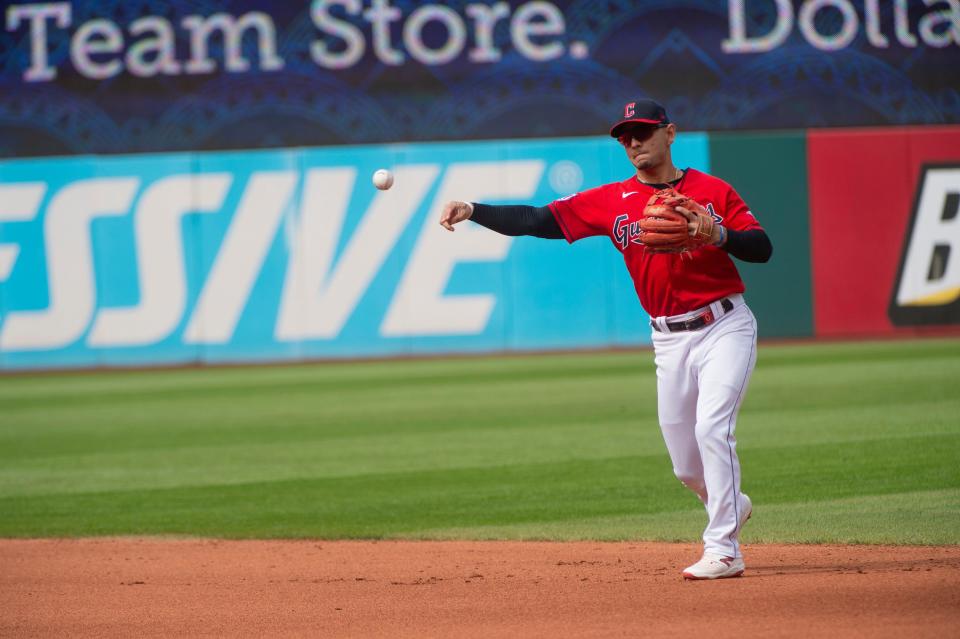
455	212
674	223
663	228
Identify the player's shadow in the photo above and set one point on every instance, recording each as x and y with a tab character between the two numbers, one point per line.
853	567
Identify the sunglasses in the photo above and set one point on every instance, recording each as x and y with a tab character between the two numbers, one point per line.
639	133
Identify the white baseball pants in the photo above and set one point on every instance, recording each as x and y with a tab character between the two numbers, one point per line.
702	376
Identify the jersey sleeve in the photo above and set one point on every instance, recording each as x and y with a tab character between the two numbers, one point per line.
738	216
582	214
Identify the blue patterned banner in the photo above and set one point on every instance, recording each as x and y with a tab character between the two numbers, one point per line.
112	76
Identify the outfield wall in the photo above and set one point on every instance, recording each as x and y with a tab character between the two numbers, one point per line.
292	254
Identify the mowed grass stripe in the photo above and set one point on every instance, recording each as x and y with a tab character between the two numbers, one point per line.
398	504
307	456
265	418
923	517
347	457
303	385
70	389
273	413
330	376
816	354
58	385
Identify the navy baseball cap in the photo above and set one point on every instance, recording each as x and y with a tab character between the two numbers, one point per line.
640	112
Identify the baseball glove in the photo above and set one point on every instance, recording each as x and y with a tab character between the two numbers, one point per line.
665	229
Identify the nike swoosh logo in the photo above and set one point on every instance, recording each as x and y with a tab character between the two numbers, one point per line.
624	196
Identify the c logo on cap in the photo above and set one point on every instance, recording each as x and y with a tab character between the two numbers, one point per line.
629	110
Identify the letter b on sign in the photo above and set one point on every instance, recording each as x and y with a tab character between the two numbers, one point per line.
928	288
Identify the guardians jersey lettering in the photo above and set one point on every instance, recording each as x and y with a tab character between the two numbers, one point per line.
666	283
625	231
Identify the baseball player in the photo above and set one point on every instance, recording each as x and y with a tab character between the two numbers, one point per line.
677	230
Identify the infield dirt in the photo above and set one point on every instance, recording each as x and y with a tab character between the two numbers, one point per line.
188	587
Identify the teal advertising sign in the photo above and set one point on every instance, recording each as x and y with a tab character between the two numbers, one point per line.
293	254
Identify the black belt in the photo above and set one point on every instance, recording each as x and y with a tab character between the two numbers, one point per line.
696	322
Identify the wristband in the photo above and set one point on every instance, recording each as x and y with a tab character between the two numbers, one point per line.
723	237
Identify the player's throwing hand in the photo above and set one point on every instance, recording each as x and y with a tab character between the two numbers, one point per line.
455	212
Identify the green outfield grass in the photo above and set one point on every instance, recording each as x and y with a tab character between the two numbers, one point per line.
854	442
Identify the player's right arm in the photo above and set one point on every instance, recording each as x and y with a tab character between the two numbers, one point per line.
571	218
513	219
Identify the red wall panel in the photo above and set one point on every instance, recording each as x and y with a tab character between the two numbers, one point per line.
862	188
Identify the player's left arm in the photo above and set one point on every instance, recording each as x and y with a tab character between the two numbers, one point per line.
741	234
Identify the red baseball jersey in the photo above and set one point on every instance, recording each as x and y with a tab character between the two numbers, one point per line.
666	283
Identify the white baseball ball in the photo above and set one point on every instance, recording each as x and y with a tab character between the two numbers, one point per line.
383	179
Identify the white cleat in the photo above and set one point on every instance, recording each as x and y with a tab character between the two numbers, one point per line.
715	567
